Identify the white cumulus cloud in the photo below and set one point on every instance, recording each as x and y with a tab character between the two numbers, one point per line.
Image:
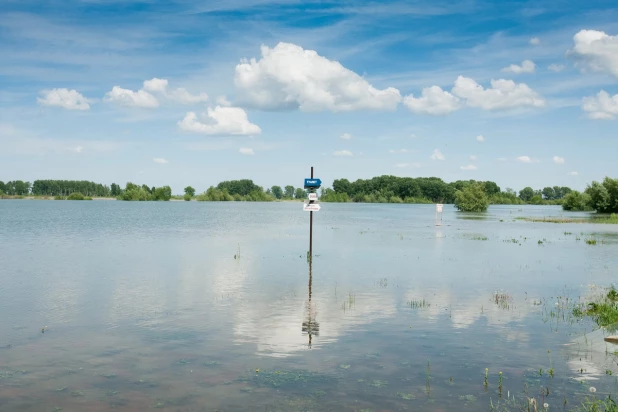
155	85
558	160
65	98
535	41
527	66
144	97
469	167
342	153
433	100
246	151
526	159
345	136
601	107
220	121
289	77
160	160
554	67
573	173
129	98
437	155
595	51
480	138
503	94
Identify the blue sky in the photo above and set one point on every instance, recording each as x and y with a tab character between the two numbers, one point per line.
192	93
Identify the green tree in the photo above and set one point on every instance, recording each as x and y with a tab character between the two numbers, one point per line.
289	192
472	198
277	192
189	191
2	187
526	194
300	193
491	188
604	196
549	193
115	190
342	186
162	193
576	201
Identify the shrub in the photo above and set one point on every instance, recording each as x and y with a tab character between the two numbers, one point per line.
187	197
576	201
76	196
472	198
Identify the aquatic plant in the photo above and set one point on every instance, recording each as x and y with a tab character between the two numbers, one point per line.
590	241
288	378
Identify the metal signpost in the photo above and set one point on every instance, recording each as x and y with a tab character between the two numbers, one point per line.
312	204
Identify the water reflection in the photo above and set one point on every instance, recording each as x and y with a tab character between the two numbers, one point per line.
167	318
310	325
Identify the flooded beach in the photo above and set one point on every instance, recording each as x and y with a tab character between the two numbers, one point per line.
199	306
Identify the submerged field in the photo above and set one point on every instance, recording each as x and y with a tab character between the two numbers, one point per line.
192	306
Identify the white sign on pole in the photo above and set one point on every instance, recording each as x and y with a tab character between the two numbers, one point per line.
439	208
313	196
311	207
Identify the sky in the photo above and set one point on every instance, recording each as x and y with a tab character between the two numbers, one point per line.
523	93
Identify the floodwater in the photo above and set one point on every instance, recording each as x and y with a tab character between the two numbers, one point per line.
189	306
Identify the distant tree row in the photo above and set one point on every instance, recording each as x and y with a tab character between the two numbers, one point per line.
66	187
15	188
393	189
289	192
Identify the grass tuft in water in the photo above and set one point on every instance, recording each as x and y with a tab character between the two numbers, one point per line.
604	310
418	304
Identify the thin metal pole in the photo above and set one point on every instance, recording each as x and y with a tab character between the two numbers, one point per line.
311	228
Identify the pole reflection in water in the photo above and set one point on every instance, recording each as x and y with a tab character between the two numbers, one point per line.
310	325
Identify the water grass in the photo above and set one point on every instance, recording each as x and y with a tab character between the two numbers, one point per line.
595	219
602	309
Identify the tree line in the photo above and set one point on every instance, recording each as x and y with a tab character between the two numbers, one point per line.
393	189
465	194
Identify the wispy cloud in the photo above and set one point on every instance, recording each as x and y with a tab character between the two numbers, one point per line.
468	167
160	160
572	173
407	165
345	136
527	66
526	159
437	155
246	151
480	138
558	160
343	153
401	151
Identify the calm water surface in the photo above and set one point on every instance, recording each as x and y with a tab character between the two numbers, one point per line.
144	306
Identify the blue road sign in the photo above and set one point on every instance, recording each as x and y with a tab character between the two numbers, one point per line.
313	182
